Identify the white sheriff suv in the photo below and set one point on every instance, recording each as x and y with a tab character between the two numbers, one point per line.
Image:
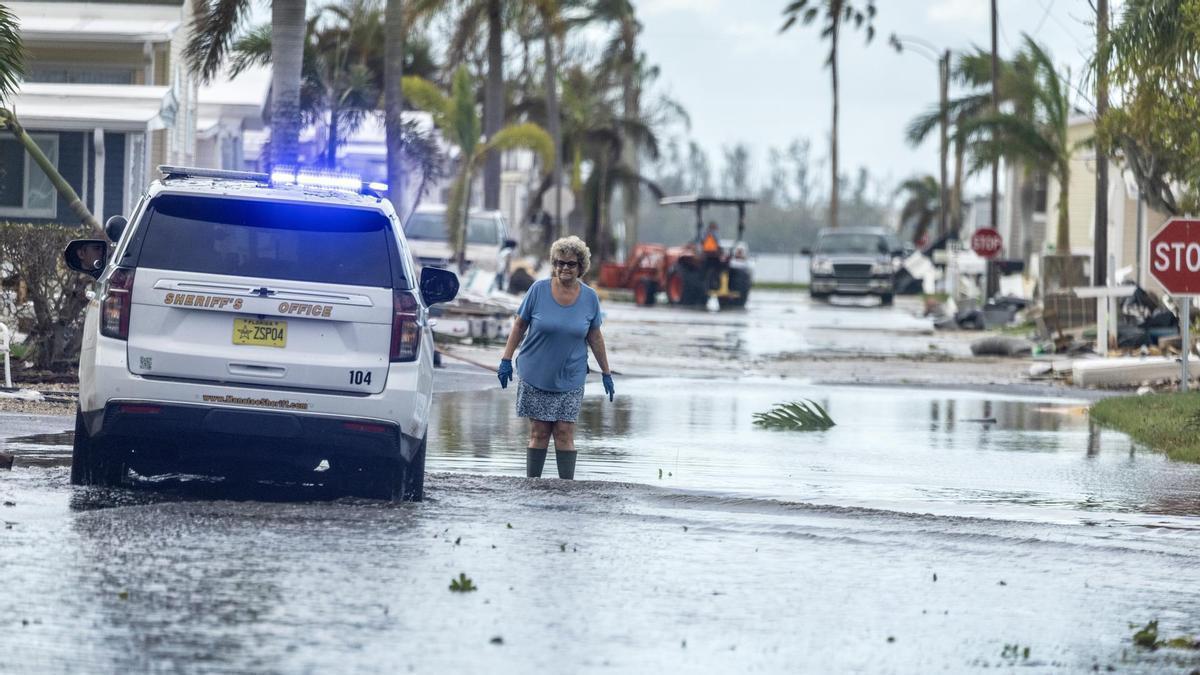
261	326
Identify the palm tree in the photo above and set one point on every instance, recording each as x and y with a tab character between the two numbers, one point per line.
921	208
1035	133
457	118
342	76
472	14
620	57
214	30
12	54
833	14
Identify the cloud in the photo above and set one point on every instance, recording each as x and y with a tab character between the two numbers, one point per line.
957	12
656	7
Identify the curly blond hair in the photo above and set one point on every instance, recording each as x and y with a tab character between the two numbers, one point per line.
569	248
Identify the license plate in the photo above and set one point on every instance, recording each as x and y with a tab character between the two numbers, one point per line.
260	332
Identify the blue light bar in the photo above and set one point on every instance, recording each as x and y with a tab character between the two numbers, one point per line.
342	182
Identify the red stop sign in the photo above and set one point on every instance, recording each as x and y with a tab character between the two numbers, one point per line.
1175	256
986	243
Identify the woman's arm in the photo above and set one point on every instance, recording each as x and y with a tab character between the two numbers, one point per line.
595	340
515	336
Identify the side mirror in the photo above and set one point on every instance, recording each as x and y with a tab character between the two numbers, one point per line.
87	256
438	285
509	243
114	227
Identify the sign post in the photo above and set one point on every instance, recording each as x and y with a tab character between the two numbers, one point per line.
986	243
1175	263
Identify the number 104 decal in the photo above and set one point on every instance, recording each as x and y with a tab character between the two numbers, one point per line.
360	377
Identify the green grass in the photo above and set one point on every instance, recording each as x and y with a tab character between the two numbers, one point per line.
1168	423
780	286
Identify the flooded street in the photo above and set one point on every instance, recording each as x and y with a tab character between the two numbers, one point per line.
929	530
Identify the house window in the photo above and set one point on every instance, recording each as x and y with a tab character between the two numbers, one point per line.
25	190
79	75
1041	183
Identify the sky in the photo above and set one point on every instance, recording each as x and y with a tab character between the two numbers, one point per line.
741	80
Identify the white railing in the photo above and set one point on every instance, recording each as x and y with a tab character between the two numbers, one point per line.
6	348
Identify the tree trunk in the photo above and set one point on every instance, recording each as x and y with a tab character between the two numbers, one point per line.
1063	245
493	103
331	143
631	193
393	104
833	135
287	53
555	129
956	198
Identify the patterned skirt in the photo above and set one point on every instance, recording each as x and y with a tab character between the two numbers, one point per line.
548	406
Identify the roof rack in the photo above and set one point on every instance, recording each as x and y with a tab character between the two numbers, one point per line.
177	172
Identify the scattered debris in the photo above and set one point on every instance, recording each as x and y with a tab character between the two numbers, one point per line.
6	461
497	640
1001	345
1147	636
462	584
805	415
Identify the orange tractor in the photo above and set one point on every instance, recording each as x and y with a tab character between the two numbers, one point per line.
692	273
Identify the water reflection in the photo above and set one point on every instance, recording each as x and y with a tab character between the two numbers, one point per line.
1002	456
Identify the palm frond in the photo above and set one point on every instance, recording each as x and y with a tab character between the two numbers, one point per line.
527	135
214	28
251	49
12	53
426	96
807	415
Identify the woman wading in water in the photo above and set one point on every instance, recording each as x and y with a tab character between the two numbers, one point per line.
556	323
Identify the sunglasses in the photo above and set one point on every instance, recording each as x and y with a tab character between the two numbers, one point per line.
569	264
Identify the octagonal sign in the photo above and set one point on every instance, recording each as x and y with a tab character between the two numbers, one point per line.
1175	256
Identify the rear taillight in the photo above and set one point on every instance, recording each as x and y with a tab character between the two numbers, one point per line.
114	310
406	334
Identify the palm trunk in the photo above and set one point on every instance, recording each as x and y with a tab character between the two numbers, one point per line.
460	252
833	136
287	54
555	129
331	143
957	196
632	107
393	100
493	103
1063	244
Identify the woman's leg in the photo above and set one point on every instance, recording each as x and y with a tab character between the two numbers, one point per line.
539	441
564	449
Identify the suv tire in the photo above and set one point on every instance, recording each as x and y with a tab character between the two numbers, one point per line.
91	463
886	299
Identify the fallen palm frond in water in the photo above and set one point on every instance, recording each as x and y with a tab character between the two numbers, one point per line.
805	415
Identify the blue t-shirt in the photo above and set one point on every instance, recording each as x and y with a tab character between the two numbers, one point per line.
553	354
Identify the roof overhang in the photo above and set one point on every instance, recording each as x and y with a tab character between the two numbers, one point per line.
75	22
83	107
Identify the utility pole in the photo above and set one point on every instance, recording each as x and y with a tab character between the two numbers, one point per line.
944	103
1100	236
992	281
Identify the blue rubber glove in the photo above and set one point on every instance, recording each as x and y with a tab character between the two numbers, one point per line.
608	385
504	372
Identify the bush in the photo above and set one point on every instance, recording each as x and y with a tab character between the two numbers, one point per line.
54	294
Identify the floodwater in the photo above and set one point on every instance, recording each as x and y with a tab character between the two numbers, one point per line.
780	323
929	530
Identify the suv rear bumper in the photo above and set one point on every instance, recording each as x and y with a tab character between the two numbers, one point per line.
194	436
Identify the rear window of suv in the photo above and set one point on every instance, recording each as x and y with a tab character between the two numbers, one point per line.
240	237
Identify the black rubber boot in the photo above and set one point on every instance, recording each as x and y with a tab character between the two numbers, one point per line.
566	463
534	461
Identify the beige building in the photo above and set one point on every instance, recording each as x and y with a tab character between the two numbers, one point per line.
1030	212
